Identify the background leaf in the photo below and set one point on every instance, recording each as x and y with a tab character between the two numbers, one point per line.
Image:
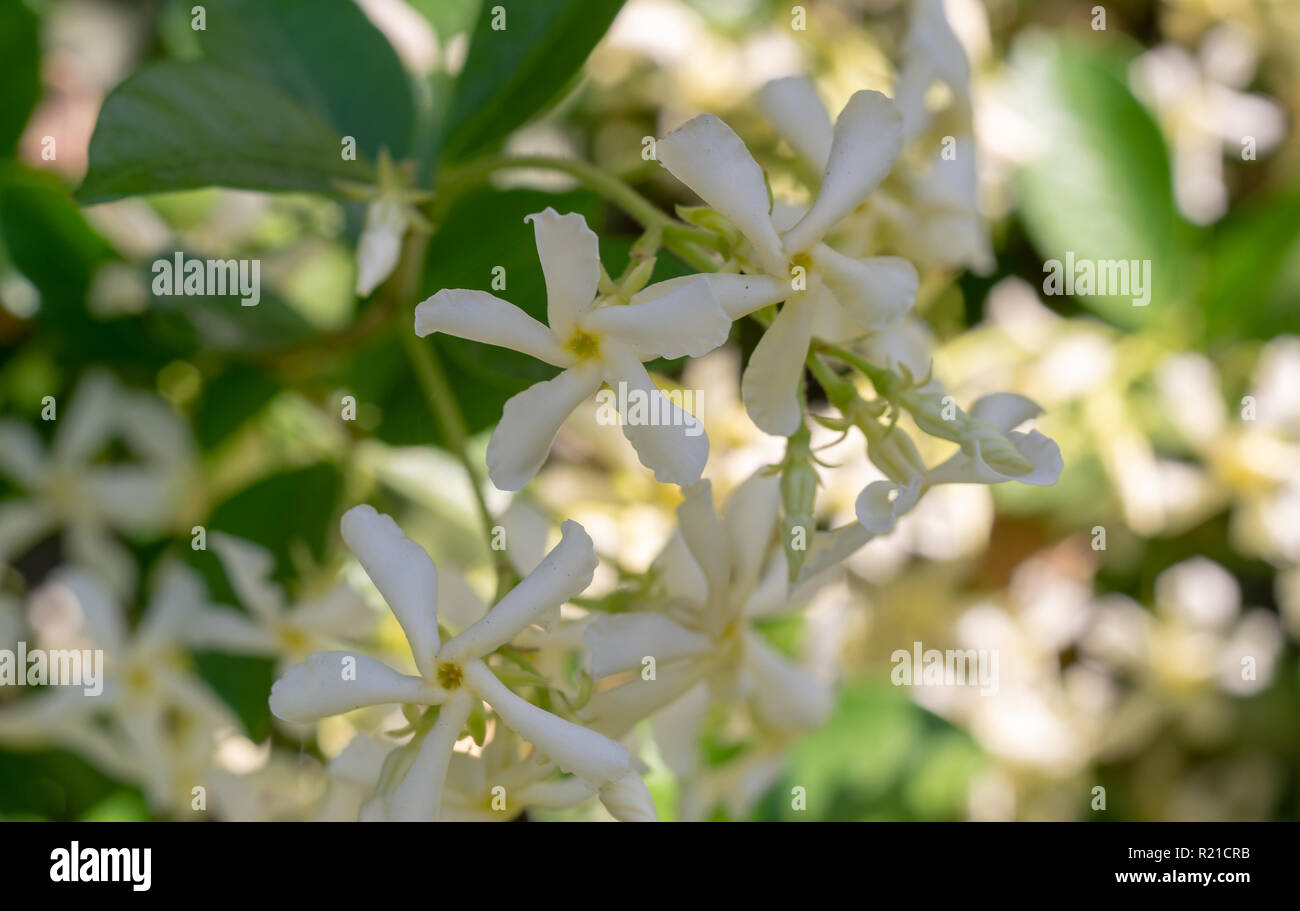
20	46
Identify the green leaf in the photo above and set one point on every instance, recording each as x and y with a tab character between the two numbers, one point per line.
1254	271
20	50
284	510
512	73
1099	186
232	398
327	56
179	126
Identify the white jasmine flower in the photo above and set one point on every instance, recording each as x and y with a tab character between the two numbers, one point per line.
594	341
721	573
818	284
69	489
273	627
390	213
453	675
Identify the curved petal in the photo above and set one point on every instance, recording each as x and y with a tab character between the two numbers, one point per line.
1005	410
686	322
556	794
178	596
570	255
737	295
331	683
797	112
677	729
340	613
770	385
22	523
526	528
564	573
88	423
750	520
621	642
249	567
130	496
785	695
404	575
486	318
882	503
628	799
670	441
87	600
707	156
868	137
418	797
575	749
616	711
380	245
701	528
1041	452
875	291
530	421
226	630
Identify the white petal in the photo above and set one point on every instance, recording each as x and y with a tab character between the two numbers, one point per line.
797	112
570	255
628	799
178	596
868	137
737	295
882	503
564	573
616	711
751	517
331	683
677	730
93	546
88	422
530	421
706	538
249	568
875	291
131	497
526	528
687	321
418	797
1005	410
340	613
1043	454
574	749
785	695
22	523
380	245
100	615
556	794
830	549
226	630
22	457
483	317
404	575
682	576
621	642
770	385
674	447
707	156
459	606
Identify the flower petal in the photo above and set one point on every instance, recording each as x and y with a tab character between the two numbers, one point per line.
797	112
686	322
750	519
785	695
564	573
573	748
331	683
875	291
1005	410
882	503
707	156
131	496
530	421
418	797
770	386
701	528
737	295
483	317
86	600
616	711
249	568
628	799
404	575
621	642
380	244
22	457
868	137
673	445
88	423
1041	452
570	255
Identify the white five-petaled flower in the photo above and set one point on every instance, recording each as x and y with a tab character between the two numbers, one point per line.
821	287
595	342
882	503
722	572
67	489
453	675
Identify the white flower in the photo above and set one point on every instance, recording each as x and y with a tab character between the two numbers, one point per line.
594	342
453	675
721	573
272	627
820	286
390	213
70	490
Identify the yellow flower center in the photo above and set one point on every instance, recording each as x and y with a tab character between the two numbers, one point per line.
450	675
585	346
